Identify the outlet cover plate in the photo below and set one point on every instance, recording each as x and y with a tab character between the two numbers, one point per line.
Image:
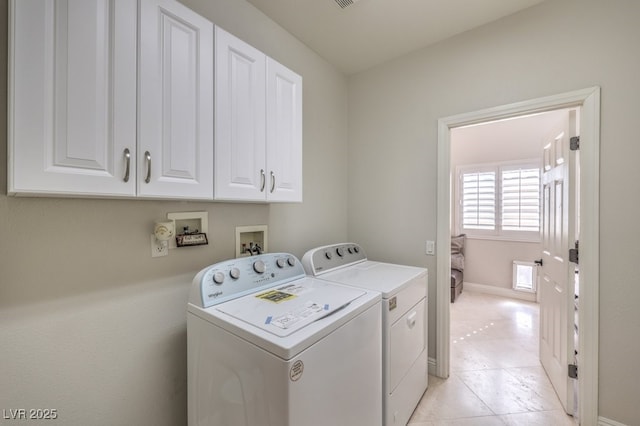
157	248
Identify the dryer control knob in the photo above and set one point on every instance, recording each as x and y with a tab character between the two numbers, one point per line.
280	262
234	273
340	251
291	260
259	266
218	278
328	255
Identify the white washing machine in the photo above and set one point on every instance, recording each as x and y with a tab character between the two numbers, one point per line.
404	319
269	346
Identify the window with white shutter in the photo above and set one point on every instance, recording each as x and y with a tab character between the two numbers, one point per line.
520	199
479	200
500	200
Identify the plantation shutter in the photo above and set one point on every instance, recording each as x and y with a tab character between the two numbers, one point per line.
479	200
521	200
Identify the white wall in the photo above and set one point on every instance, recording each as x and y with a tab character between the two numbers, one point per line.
555	47
94	327
489	262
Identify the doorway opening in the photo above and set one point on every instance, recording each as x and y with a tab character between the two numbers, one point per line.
498	170
588	103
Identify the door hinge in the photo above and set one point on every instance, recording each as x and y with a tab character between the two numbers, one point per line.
573	254
574	143
573	371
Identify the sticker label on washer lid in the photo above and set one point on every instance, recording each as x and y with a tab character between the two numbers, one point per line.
275	296
393	303
290	318
294	289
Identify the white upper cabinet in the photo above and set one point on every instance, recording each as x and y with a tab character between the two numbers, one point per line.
258	110
115	98
110	98
284	133
72	97
175	145
240	132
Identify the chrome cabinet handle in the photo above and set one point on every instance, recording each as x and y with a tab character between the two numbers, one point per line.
273	182
127	160
263	179
147	157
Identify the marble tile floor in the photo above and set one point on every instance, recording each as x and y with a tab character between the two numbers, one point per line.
496	377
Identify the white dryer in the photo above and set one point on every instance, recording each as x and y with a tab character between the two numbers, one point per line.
269	346
404	319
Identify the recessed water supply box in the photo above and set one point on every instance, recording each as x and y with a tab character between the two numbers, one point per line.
251	240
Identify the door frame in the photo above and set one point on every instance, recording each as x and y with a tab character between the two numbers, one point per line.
588	100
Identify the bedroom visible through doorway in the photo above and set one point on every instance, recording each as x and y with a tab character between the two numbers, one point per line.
499	204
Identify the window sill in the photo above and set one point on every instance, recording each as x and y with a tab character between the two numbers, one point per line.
513	239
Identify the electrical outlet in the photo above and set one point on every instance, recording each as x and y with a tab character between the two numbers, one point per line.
430	247
157	248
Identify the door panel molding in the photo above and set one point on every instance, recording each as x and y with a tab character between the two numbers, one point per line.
557	305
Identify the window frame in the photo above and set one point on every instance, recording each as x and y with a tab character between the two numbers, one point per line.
497	233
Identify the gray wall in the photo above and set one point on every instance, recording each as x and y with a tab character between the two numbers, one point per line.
555	47
94	327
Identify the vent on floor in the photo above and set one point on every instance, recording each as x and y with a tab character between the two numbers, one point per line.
346	3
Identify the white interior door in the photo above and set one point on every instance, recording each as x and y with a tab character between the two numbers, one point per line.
558	273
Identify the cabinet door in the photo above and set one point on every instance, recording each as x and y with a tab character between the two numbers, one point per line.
72	97
240	172
175	145
284	133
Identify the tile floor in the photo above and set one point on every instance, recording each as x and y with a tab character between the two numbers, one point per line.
496	377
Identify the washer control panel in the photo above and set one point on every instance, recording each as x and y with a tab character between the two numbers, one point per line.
233	278
327	258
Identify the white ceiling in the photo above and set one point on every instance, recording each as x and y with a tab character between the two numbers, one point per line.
370	32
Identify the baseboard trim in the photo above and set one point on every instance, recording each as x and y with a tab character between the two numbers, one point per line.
603	421
499	291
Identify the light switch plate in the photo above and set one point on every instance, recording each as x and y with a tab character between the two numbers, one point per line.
430	247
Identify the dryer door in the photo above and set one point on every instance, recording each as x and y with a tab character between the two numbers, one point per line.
406	343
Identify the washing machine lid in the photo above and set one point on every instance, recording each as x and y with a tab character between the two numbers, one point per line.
386	278
286	309
268	301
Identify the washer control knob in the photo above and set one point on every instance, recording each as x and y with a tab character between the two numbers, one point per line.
291	260
350	250
218	278
280	262
234	273
259	266
356	249
328	255
340	251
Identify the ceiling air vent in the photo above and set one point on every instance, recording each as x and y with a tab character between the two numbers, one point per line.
345	3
